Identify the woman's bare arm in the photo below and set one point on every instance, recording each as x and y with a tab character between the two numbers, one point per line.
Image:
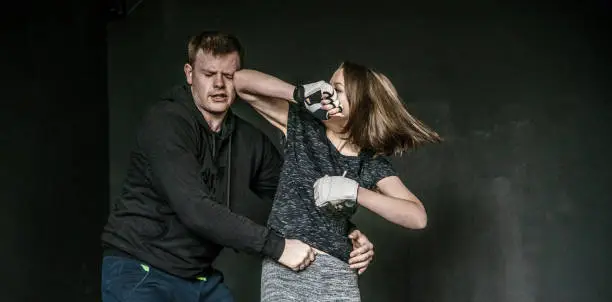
395	203
268	95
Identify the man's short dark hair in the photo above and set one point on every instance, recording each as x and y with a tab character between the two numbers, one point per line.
216	43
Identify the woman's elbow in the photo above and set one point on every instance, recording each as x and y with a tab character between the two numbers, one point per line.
421	222
239	81
416	221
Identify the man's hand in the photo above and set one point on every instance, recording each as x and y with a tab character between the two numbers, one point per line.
363	251
296	255
312	94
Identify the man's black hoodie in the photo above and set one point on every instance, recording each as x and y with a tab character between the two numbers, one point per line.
174	209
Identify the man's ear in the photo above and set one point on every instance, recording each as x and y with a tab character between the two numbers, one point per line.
188	73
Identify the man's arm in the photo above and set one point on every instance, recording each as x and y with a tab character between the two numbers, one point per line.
168	140
268	175
352	226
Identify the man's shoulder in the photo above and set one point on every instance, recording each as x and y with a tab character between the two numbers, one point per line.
248	129
171	102
250	133
168	117
167	106
168	109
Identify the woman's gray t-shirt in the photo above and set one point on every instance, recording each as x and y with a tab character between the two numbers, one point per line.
309	155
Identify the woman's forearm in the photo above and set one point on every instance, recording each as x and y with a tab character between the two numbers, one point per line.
403	212
248	81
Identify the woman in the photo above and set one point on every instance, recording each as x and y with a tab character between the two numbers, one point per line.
333	159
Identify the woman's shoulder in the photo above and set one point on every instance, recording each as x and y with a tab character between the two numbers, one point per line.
301	122
374	161
378	167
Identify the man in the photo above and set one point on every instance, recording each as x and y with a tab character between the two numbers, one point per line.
174	214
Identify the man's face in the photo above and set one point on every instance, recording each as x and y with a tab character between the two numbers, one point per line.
211	79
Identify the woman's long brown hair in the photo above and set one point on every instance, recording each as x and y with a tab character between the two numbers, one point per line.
378	119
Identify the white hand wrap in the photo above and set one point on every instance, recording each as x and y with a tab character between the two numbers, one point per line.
337	191
312	94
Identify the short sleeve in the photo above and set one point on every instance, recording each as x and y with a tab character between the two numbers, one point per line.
301	125
293	122
376	169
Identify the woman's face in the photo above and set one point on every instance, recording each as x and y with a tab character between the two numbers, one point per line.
337	81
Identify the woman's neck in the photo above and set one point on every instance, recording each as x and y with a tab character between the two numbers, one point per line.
340	141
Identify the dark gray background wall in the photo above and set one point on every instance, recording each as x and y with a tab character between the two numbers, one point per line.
517	195
54	138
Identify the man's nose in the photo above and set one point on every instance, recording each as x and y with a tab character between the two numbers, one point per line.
218	81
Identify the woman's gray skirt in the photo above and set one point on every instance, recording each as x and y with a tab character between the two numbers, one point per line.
326	279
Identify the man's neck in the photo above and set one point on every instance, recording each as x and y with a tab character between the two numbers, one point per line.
214	120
